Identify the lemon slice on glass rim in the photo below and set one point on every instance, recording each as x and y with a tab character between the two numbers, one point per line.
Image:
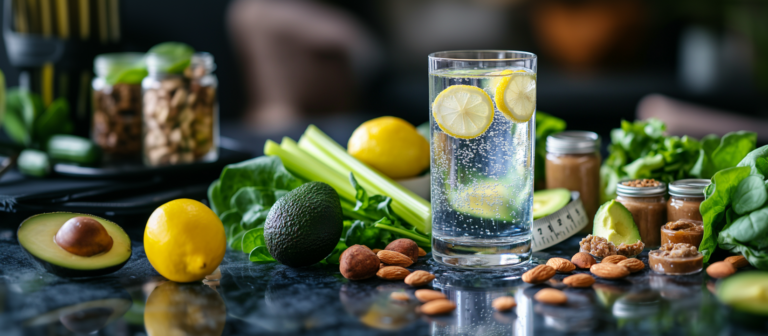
516	96
463	111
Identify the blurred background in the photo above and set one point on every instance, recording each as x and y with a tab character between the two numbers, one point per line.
701	66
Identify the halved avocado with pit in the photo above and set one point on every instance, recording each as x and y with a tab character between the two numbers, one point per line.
86	246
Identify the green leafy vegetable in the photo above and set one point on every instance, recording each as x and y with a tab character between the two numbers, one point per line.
734	212
546	125
30	124
750	194
641	150
176	56
718	197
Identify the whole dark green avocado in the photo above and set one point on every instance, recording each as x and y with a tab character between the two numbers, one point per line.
304	226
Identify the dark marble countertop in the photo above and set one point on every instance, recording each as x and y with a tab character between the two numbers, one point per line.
272	299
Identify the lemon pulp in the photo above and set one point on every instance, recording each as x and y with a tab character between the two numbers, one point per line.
463	111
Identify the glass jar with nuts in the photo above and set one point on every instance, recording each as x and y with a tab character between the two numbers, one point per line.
116	126
180	110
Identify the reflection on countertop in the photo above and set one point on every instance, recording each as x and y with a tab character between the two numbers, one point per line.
271	299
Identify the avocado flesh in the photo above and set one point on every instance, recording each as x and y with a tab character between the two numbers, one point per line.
305	225
746	291
36	237
547	202
615	223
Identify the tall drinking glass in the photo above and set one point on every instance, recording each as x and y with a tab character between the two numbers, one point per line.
482	128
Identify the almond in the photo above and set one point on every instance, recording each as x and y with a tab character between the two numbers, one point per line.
614	259
419	278
438	307
632	264
579	280
609	271
426	295
422	253
561	265
399	296
551	296
394	258
376	250
405	246
738	261
539	274
583	260
504	303
392	273
721	269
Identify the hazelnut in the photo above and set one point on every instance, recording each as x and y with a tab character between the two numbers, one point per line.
358	262
405	246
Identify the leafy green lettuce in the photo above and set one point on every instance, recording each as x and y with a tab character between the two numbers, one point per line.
641	150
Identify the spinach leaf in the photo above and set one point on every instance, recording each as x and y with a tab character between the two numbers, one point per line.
757	161
733	148
757	257
260	255
265	173
218	204
252	239
717	201
333	258
749	228
642	167
709	143
750	194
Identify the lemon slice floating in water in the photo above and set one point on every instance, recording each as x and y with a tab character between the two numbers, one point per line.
516	96
463	111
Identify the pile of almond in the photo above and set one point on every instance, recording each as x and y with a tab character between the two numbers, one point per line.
727	267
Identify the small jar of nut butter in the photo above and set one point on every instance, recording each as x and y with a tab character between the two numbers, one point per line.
116	126
180	111
685	197
573	162
645	200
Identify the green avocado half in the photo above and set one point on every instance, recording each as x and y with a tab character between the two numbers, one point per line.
36	236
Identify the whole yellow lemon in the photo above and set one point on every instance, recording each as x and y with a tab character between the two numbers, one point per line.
184	240
390	145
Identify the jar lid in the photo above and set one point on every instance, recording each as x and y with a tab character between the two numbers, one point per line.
128	67
688	187
625	190
573	142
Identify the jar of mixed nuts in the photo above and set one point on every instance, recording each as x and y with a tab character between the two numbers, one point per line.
117	104
180	110
685	197
573	162
645	200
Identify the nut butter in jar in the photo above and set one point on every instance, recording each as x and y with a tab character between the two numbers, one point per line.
645	200
685	197
573	162
180	110
117	104
683	231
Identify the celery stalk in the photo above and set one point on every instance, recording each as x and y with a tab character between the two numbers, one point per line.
416	238
309	169
408	214
405	203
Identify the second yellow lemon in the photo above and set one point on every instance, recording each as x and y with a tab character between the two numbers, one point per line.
184	240
392	146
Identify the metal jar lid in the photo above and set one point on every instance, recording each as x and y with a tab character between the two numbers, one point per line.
623	190
573	142
688	187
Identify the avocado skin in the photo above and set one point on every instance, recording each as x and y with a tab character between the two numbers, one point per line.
305	225
73	273
63	271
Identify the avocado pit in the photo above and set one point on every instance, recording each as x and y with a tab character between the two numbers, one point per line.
83	236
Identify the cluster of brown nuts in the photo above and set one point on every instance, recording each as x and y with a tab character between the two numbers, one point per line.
359	262
179	121
117	119
642	183
612	267
727	267
434	302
